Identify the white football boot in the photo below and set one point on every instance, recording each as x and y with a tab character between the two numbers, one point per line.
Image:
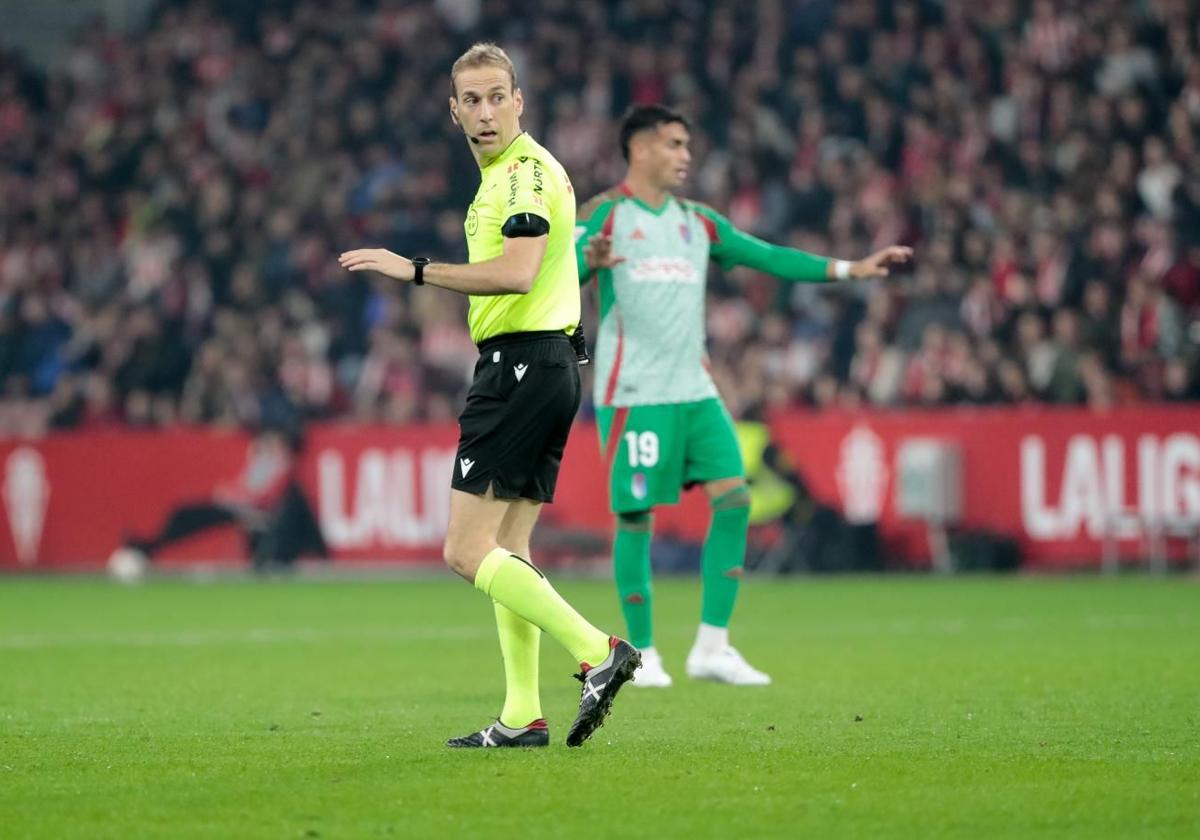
724	665
651	674
713	658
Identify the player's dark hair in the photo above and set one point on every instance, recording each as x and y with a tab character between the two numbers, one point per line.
641	117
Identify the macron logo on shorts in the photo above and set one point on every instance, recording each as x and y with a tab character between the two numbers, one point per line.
465	465
519	370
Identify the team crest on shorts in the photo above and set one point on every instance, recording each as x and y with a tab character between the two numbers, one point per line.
639	486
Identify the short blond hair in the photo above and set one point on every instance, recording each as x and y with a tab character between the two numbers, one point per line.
483	54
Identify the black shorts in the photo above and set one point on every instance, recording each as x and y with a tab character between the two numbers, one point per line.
519	411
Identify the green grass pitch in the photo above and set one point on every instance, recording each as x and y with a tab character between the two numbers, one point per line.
902	707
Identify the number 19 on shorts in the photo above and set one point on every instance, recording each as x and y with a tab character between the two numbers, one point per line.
643	448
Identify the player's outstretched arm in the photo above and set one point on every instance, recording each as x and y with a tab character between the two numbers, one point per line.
878	264
731	247
511	273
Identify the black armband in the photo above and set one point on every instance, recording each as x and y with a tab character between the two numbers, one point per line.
525	224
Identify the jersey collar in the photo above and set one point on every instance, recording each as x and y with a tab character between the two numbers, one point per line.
518	146
657	211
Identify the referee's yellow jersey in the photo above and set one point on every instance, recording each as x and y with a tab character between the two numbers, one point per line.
525	179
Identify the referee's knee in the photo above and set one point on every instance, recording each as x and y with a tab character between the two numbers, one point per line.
463	556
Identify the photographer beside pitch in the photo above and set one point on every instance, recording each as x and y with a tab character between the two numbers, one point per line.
662	424
523	284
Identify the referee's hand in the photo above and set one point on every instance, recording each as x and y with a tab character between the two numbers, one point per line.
378	259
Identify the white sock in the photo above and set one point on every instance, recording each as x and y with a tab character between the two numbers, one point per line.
712	639
650	651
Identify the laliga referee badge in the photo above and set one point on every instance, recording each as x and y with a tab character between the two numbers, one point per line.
639	485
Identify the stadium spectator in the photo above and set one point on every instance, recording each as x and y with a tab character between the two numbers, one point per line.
170	201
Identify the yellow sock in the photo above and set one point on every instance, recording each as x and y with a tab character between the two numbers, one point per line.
518	585
520	644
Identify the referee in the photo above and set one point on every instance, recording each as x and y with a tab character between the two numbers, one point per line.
523	284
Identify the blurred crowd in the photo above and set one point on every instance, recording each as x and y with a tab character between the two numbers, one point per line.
172	203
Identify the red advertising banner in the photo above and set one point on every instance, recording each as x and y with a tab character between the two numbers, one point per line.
70	499
1063	482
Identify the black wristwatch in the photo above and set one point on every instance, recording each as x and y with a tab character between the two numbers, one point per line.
419	264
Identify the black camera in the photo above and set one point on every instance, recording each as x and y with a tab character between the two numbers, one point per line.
580	345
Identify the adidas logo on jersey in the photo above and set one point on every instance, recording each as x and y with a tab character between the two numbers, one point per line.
465	465
637	234
519	370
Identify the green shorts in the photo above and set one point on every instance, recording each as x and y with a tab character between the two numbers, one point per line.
653	451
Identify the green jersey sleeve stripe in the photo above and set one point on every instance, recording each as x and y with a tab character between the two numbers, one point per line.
731	247
592	218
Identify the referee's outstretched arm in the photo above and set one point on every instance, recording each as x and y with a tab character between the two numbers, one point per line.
511	273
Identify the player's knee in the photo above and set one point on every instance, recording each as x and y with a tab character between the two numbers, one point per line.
638	520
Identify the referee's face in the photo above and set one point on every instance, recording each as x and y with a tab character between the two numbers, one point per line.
487	108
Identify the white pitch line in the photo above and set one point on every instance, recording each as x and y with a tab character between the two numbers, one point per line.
247	635
298	635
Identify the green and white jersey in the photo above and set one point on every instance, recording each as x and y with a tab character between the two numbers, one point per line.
650	346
